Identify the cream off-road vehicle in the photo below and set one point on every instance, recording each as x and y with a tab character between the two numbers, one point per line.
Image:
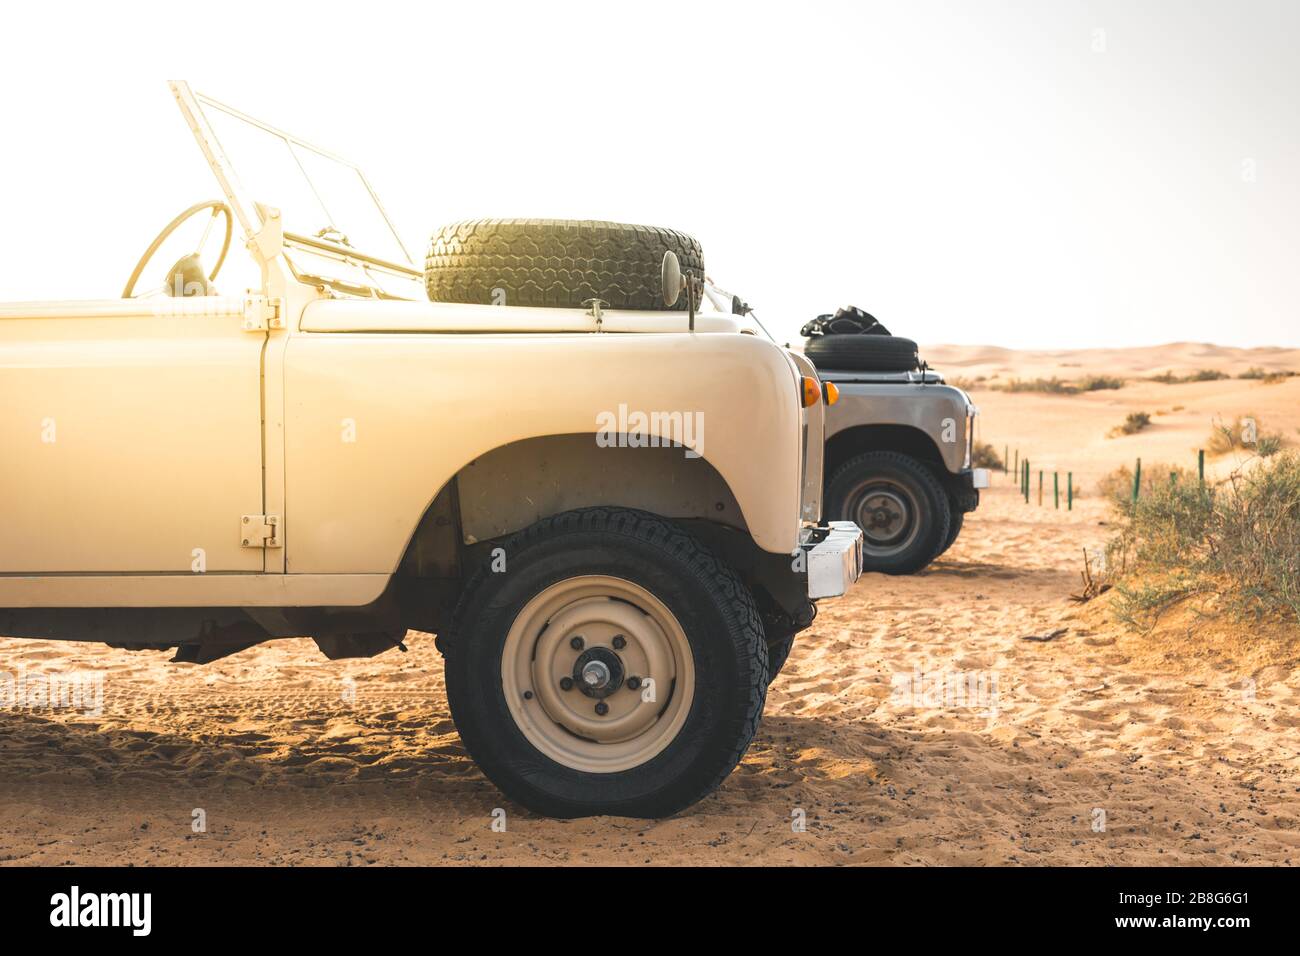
604	505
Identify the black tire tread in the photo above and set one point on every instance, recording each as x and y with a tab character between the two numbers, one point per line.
867	353
956	520
939	497
778	652
681	547
556	263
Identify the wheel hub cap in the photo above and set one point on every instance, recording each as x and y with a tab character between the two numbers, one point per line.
598	673
887	515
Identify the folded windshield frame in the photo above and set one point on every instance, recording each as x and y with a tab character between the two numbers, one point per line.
314	259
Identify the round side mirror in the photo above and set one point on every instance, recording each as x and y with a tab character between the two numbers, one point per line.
670	278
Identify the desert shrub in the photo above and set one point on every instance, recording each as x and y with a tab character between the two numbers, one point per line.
1265	376
1133	423
1048	386
1113	485
1239	540
984	455
1268	445
1243	434
1060	386
965	384
1098	383
1200	375
1118	485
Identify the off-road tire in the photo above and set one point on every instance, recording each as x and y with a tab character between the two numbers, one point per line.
716	612
956	520
866	353
778	652
556	263
780	630
908	479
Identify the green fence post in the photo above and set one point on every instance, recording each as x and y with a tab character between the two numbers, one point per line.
1040	487
1200	464
1069	491
1137	480
1056	490
1006	459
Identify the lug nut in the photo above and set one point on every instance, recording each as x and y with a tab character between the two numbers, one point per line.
566	683
577	643
602	709
634	683
619	642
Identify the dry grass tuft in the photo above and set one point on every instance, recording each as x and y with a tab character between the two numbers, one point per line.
1200	375
1238	541
1134	423
984	455
1245	434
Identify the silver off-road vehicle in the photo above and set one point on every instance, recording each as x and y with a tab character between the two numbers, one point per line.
898	443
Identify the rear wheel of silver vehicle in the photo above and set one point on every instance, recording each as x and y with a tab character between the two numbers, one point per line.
615	667
899	505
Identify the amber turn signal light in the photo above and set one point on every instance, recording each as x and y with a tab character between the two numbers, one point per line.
811	391
832	393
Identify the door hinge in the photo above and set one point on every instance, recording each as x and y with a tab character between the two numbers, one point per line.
262	313
260	531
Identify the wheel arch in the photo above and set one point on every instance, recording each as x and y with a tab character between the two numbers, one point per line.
511	487
907	439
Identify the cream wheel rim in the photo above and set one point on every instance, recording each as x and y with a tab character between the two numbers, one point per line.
598	673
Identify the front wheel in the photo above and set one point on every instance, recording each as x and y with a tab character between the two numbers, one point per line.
614	667
957	519
899	505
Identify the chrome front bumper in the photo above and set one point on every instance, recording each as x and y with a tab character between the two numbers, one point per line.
834	555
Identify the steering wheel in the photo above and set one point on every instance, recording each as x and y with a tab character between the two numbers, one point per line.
186	277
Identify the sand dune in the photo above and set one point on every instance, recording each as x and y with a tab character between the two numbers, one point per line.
1179	357
1096	746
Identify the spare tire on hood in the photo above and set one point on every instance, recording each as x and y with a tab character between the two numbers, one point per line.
864	353
556	263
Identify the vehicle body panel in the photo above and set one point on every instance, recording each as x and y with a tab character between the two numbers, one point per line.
451	398
132	436
942	412
814	445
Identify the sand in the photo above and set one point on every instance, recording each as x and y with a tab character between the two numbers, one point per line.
1097	746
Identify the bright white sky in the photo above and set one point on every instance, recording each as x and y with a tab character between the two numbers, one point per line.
971	172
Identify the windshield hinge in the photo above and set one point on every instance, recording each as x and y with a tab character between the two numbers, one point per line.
262	313
260	531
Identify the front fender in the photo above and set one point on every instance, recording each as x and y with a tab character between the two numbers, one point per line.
376	423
